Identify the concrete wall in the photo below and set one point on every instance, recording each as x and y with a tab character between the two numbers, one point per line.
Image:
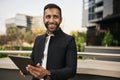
12	74
108	7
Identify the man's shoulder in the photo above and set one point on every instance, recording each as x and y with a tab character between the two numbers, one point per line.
68	36
40	37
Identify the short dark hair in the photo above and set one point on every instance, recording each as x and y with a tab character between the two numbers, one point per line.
51	5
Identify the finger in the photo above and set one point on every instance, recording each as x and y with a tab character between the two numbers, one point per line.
35	73
38	72
22	74
38	64
34	68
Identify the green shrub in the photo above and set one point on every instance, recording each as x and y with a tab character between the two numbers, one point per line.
108	39
3	55
26	48
80	38
2	48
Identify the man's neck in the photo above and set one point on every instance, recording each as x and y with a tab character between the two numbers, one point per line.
50	33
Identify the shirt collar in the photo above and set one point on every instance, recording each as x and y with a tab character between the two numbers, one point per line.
55	33
49	34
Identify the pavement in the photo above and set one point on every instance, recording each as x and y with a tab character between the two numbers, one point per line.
7	63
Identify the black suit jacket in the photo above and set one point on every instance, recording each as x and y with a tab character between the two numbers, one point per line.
62	55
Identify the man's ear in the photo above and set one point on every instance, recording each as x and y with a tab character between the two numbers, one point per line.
61	20
43	18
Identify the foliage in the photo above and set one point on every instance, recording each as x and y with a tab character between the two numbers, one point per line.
29	37
3	55
3	39
80	38
14	33
2	48
86	58
27	48
115	42
38	31
26	55
14	48
16	36
108	39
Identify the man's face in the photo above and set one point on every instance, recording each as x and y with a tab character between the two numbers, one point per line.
52	19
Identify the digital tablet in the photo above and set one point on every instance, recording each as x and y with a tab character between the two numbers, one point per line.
21	62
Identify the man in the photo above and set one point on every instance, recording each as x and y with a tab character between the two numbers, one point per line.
54	52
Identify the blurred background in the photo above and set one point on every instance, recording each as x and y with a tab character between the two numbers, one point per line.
95	24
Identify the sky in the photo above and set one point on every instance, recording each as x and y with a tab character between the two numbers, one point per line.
71	11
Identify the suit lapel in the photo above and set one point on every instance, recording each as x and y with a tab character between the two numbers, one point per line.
40	49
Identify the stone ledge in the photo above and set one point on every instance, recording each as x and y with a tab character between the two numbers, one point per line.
98	67
94	67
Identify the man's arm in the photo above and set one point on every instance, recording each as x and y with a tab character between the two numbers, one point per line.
71	63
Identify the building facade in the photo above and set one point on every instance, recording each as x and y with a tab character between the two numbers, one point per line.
21	21
101	16
25	23
37	24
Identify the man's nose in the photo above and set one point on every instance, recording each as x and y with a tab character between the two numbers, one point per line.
51	19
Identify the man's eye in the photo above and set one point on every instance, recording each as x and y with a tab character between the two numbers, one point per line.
47	17
55	17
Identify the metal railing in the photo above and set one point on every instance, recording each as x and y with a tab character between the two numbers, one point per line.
99	55
11	52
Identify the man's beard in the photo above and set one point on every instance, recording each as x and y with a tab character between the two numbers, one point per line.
57	26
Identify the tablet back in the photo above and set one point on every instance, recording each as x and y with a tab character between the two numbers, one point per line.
21	62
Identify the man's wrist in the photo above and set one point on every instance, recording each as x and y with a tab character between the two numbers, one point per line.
48	73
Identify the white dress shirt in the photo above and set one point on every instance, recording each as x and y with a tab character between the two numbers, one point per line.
44	60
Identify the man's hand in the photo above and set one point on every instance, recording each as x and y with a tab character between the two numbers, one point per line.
37	71
21	73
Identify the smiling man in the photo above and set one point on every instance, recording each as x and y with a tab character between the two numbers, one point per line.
54	52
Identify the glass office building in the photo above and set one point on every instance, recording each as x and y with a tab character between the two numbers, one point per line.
100	16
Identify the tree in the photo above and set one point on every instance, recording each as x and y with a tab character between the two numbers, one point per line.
29	37
80	38
16	35
3	40
108	39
